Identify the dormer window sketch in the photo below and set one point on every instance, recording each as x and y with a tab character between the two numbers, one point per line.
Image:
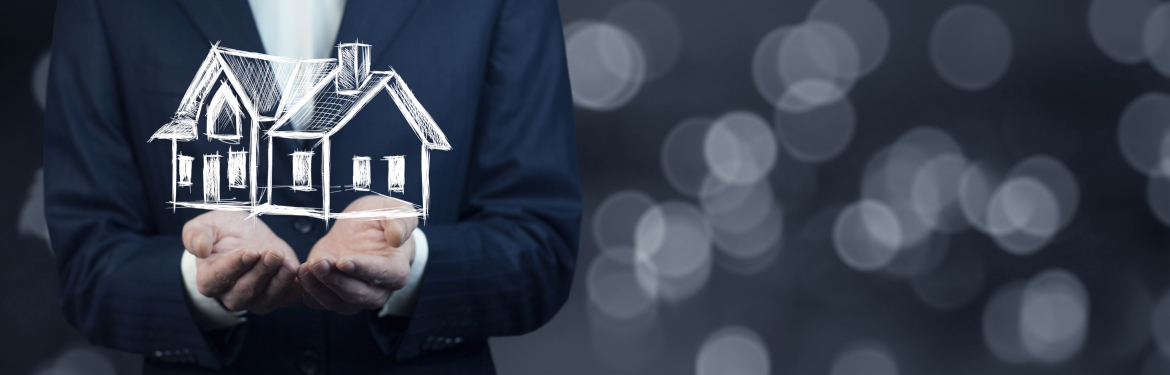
223	116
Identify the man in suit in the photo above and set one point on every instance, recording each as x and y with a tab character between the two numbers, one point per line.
495	256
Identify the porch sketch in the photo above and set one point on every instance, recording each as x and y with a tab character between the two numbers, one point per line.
256	99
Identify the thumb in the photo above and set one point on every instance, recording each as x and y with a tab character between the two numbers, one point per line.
398	230
199	237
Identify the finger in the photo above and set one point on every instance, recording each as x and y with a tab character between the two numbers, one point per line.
248	292
351	290
324	296
218	276
380	270
397	231
199	236
292	290
281	292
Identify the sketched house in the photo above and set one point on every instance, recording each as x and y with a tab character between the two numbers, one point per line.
243	101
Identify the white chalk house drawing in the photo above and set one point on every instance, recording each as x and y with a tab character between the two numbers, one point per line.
244	102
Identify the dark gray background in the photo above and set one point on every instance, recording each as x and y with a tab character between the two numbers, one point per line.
1061	96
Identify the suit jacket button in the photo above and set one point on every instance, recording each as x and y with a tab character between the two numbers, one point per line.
303	225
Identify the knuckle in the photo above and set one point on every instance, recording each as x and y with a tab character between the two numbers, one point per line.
246	295
220	279
205	290
232	304
355	297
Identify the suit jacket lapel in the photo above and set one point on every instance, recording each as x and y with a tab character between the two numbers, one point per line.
228	22
373	22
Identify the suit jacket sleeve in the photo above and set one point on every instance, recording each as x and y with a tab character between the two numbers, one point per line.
121	284
505	268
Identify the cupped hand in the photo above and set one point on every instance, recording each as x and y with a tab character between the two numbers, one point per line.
360	262
241	262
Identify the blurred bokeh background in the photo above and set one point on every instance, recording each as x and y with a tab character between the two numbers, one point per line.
803	186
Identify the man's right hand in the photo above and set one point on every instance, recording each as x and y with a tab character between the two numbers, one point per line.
241	262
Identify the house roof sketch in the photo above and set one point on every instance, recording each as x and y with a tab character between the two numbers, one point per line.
297	92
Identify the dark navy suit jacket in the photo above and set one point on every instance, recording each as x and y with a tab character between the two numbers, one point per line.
505	201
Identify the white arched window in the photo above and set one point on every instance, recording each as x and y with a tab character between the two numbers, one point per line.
223	116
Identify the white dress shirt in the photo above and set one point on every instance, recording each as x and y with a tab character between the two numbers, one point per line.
300	29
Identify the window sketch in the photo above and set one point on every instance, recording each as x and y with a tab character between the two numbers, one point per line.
361	173
237	161
211	178
302	164
185	170
397	176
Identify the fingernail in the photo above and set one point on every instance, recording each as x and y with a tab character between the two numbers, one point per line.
250	256
271	260
307	279
284	275
346	266
321	268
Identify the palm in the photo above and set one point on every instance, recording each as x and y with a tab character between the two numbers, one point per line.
237	231
373	257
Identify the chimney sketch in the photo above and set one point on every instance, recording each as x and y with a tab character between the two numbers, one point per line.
353	67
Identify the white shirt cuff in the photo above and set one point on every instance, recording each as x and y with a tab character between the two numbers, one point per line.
209	314
401	302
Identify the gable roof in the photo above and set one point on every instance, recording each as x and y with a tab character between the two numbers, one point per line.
329	110
281	89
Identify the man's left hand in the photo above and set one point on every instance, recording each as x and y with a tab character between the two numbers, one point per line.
360	262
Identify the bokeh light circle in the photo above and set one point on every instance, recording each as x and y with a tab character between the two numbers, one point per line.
1023	215
735	208
755	242
819	63
1001	324
1116	27
865	359
606	65
1156	38
866	24
615	288
1142	129
615	219
1158	197
976	186
733	350
1057	177
683	160
867	235
766	66
675	239
970	46
1054	316
740	148
1160	324
655	29
935	192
